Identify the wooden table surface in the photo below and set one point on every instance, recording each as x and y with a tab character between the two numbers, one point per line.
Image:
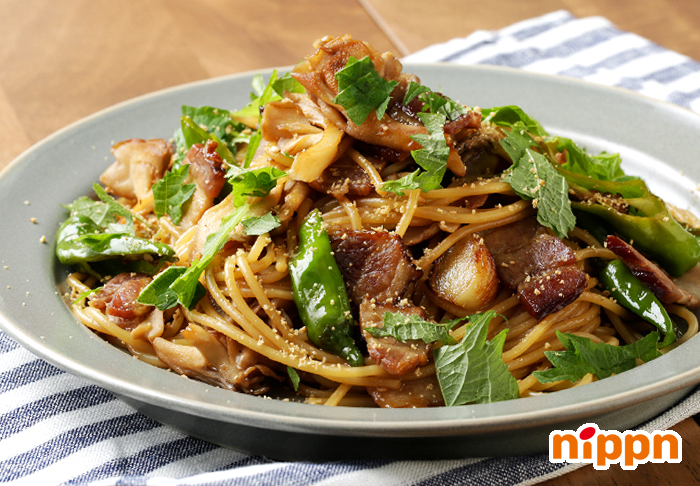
61	61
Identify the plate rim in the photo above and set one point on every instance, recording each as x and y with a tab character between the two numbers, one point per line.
322	424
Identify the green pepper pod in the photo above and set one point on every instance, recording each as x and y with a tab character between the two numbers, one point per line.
632	294
320	294
649	224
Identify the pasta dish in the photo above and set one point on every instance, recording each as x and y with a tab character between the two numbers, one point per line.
352	237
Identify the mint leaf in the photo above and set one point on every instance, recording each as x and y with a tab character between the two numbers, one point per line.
362	90
406	327
583	356
253	182
259	225
170	193
473	370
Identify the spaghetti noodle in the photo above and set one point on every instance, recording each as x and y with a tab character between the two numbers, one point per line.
244	332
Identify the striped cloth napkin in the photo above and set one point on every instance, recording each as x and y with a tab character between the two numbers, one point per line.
59	429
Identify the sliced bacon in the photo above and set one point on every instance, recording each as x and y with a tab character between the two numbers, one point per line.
419	393
208	173
537	264
117	299
394	356
206	168
375	264
651	275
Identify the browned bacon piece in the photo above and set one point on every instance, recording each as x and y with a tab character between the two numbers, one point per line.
207	172
117	299
378	271
375	264
537	264
651	275
419	393
395	357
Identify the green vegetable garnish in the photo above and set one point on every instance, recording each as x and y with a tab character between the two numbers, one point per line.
320	294
407	327
432	158
473	370
583	356
362	90
632	294
170	194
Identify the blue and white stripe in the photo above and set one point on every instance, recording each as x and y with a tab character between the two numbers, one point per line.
56	428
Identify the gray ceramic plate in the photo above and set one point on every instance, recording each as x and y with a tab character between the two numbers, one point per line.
657	140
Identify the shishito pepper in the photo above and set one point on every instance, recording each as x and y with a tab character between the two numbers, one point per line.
645	221
632	294
320	294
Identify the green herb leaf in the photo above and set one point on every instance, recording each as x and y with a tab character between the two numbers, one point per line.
80	240
434	102
170	193
193	134
473	370
287	84
583	356
185	286
215	124
263	93
294	377
533	178
432	158
116	209
97	211
605	167
361	90
414	89
510	116
158	292
259	225
405	183
253	182
406	327
253	145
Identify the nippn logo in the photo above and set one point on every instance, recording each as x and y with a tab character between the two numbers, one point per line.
601	448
